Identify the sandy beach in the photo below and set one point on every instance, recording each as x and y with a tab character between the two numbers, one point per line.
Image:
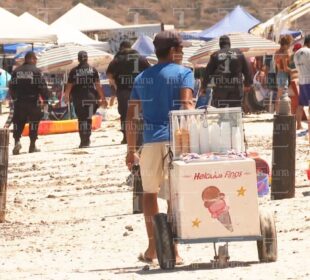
69	215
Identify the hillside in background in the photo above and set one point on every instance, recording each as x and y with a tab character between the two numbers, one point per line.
184	14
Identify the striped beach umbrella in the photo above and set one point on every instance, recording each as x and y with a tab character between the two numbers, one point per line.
63	58
188	52
249	44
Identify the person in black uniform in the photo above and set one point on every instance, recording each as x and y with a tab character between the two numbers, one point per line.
227	67
26	87
86	92
123	69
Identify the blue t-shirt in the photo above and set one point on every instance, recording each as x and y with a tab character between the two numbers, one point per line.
158	88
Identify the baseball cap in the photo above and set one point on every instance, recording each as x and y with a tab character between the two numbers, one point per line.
296	47
125	45
30	55
169	39
224	40
82	56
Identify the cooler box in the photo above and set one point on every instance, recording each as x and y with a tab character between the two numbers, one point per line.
214	199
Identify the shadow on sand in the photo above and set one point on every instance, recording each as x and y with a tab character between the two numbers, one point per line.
155	269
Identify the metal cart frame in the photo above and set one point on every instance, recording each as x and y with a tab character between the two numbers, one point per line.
165	232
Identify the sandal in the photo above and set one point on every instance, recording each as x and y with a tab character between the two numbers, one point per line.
145	259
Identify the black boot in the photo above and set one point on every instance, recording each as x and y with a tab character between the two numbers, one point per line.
85	142
17	147
33	148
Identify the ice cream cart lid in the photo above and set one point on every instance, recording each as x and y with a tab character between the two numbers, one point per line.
208	110
181	163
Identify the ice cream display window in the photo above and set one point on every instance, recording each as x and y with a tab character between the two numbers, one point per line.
212	186
212	131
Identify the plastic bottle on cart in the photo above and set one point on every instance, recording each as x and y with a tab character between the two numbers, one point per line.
185	135
193	135
225	137
285	104
236	139
204	137
177	137
215	136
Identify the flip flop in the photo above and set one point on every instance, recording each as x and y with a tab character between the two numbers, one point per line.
145	259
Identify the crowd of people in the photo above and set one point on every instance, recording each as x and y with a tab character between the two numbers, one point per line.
150	92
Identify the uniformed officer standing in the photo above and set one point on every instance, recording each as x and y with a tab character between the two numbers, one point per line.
123	69
84	86
26	87
229	69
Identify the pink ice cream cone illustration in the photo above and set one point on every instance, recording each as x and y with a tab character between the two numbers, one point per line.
214	201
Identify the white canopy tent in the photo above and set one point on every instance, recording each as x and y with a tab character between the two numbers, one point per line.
32	20
18	30
7	16
69	35
84	18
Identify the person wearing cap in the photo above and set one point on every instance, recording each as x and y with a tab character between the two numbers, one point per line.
302	62
157	90
122	70
226	69
86	92
26	88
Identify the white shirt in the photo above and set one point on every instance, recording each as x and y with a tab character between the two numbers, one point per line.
302	62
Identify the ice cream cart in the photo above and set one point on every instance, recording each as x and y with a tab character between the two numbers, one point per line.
212	187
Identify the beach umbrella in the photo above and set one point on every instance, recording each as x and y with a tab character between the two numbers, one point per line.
249	44
188	52
63	58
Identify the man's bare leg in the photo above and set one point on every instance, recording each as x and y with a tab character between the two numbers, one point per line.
299	114
308	120
279	94
150	209
112	100
178	259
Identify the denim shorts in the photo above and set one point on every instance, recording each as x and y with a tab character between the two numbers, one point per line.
282	79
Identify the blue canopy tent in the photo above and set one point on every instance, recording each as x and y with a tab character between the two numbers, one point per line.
238	20
144	45
13	48
35	49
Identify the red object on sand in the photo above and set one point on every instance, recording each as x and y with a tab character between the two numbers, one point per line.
308	174
65	126
262	166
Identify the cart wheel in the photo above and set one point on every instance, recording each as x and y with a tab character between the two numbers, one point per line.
267	247
164	242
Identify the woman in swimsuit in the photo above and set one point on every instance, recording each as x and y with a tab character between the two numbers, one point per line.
282	60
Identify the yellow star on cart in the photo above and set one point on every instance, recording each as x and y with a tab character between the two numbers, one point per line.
196	223
241	191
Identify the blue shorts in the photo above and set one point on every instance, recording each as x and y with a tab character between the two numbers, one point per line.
282	79
304	95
